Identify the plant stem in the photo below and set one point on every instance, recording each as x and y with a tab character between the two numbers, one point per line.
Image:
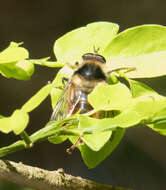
47	131
26	139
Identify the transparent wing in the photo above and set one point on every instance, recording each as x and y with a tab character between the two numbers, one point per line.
60	111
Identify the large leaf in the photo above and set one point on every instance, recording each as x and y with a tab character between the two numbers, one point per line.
142	47
70	47
13	63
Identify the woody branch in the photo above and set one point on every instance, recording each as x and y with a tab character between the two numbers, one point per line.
43	179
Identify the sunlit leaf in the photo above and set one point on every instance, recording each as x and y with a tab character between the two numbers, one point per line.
5	125
142	47
96	141
158	123
140	89
17	122
37	98
70	47
13	53
56	92
148	106
45	62
57	139
93	158
13	63
112	97
159	127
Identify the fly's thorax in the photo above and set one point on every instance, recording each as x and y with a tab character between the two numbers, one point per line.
91	70
85	85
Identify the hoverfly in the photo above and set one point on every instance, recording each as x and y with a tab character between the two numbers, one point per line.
75	95
74	98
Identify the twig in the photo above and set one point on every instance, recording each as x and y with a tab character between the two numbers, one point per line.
42	179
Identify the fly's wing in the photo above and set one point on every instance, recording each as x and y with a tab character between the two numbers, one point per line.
60	111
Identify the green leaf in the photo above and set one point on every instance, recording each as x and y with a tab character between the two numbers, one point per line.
140	89
148	106
71	46
158	123
36	100
13	53
110	97
17	122
56	92
57	139
93	158
100	130
96	141
142	47
159	127
147	102
13	63
45	62
127	118
5	125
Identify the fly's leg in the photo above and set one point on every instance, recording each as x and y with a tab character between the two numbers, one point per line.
125	69
78	141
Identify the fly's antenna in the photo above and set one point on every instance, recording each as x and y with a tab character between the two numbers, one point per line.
96	50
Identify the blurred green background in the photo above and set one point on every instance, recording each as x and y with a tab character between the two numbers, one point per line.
139	162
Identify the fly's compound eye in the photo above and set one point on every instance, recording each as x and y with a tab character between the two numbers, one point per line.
89	56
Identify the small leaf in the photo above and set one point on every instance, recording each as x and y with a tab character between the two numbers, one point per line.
56	92
13	63
96	141
125	119
101	129
37	98
55	95
5	125
148	106
93	158
142	47
57	139
17	122
45	62
13	53
159	122
111	97
147	102
70	47
140	89
159	127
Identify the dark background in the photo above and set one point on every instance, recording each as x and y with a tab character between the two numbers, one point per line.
139	162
